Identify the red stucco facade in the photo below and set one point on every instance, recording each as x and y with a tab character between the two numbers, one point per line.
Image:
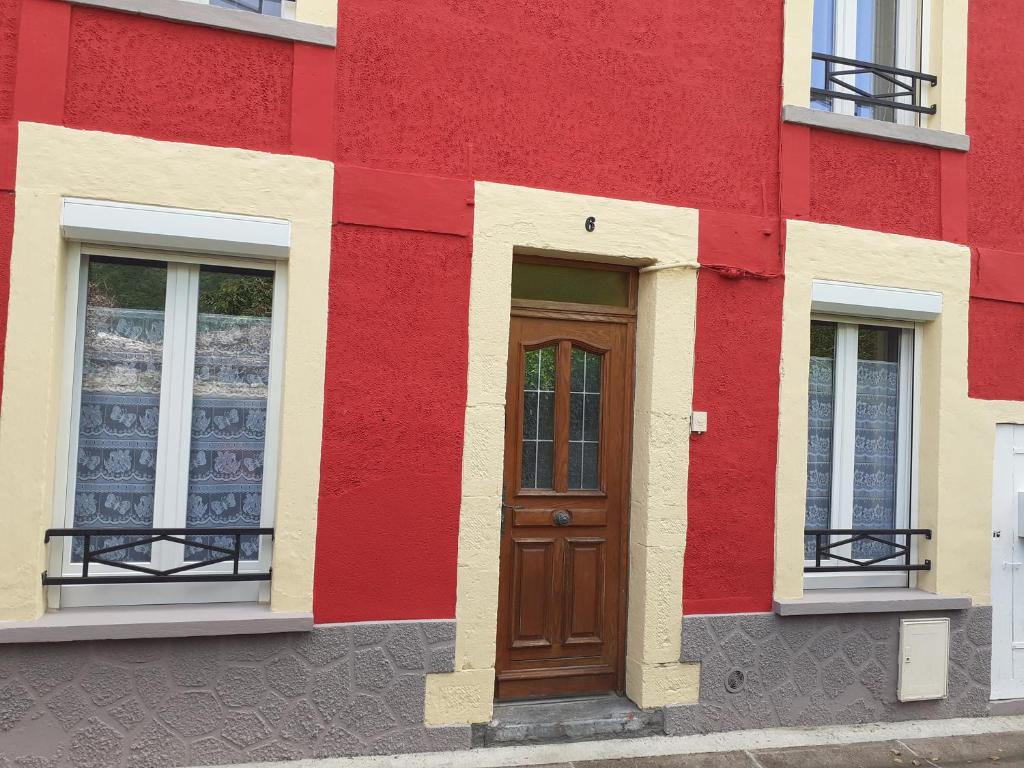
674	103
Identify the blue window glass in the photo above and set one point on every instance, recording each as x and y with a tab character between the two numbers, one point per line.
823	41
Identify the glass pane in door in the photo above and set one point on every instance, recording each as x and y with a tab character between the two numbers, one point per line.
584	420
538	418
875	442
122	361
820	429
229	406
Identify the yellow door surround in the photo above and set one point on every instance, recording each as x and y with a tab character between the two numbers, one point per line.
510	219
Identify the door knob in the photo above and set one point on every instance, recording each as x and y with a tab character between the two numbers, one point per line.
562	518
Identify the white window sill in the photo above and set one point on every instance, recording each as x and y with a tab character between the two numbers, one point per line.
153	621
223	18
862	126
818	602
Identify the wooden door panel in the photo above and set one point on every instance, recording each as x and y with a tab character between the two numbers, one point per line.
545	516
561	592
584	592
532	599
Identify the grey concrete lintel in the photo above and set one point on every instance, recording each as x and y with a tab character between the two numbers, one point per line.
862	126
149	621
189	12
816	602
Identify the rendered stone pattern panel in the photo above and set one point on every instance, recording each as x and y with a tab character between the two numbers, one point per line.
821	670
343	689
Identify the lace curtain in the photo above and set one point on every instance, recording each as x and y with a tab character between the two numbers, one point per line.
118	422
229	423
820	425
119	419
874	457
875	443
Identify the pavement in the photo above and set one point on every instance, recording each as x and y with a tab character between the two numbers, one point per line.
996	742
1005	750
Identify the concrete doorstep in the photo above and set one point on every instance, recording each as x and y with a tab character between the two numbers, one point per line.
992	741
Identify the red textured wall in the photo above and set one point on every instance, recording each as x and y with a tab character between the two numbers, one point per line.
995	92
130	74
392	455
996	349
630	99
730	542
10	16
996	196
872	184
664	102
622	99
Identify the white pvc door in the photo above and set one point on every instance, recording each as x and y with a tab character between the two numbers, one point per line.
1007	565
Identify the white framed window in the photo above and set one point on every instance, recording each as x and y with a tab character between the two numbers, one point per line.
888	33
860	440
173	409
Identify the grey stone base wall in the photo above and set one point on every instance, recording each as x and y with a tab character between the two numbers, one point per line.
822	670
358	689
339	690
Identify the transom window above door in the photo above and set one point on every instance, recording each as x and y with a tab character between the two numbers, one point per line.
172	428
859	447
866	59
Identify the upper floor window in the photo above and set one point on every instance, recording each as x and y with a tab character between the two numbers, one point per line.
283	8
866	59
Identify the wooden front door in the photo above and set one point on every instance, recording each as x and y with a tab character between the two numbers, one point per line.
564	535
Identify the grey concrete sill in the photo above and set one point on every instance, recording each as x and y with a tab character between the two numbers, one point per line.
1006	707
223	18
862	126
138	621
817	602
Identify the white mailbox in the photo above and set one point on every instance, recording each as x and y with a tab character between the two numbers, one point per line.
924	659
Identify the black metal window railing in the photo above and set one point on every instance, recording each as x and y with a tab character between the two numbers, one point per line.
889	549
894	88
104	547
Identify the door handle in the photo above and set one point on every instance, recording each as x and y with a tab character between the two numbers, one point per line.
562	518
1012	565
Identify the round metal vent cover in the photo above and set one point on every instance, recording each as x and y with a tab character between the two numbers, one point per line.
735	681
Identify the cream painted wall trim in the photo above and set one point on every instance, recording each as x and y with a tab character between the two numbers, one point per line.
957	435
56	162
314	23
944	54
150	226
509	218
874	301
